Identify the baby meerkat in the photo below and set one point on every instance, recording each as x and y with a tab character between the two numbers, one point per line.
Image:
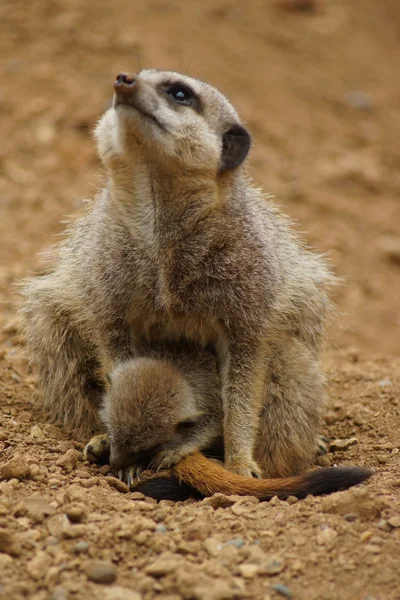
181	247
161	411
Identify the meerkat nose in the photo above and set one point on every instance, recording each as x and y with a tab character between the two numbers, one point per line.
124	83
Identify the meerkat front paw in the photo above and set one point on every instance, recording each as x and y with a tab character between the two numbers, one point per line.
98	449
166	459
247	468
321	445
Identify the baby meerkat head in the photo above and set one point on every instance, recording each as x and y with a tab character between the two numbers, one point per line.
172	119
148	406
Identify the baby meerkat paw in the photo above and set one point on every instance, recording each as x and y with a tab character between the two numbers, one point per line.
322	445
247	468
98	449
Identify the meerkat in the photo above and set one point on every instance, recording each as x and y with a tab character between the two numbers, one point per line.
161	410
180	246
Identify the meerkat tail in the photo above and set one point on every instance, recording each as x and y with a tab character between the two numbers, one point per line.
196	475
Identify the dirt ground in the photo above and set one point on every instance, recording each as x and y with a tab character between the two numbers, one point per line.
319	92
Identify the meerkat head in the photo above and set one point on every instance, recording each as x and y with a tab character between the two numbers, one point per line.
148	405
171	119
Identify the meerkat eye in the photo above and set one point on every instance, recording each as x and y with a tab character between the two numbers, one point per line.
180	95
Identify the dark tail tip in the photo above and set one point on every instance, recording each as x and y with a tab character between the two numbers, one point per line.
167	489
332	479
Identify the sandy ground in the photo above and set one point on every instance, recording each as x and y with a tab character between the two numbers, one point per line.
319	92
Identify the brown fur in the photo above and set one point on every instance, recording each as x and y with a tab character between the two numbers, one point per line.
181	247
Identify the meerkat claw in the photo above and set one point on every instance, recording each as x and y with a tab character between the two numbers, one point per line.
121	474
322	445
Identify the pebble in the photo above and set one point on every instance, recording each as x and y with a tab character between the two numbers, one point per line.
76	513
69	459
117	484
39	565
383	525
326	536
58	524
343	444
74	531
35	507
356	501
164	565
248	571
212	546
161	528
15	468
80	547
100	571
236	542
37	433
59	594
220	501
120	593
8	543
389	246
273	566
283	590
359	100
394	522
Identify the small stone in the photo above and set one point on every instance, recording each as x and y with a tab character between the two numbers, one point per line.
76	513
161	528
359	100
273	566
69	459
366	536
356	500
383	525
80	547
212	546
58	524
220	501
39	565
120	593
74	531
15	468
117	484
8	543
394	521
385	383
389	246
100	571
324	461
163	565
59	594
35	507
37	433
350	517
104	470
5	561
326	536
248	571
91	482
292	500
283	590
343	444
236	542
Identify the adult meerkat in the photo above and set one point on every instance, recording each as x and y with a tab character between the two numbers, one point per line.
161	410
181	246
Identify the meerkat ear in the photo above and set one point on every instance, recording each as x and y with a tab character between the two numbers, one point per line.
236	144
